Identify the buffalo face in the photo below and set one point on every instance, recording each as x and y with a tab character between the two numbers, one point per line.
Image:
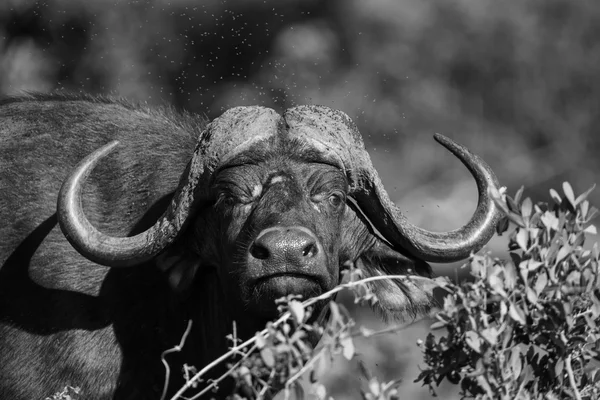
277	205
280	219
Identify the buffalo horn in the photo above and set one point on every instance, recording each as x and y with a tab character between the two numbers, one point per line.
335	136
235	131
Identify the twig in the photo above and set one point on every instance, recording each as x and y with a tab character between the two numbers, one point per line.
263	391
173	350
304	368
572	377
215	382
284	317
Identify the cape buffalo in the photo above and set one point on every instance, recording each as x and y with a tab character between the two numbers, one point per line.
184	219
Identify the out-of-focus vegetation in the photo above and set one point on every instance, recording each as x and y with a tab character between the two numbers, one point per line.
516	81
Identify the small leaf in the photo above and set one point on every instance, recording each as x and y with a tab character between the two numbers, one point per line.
592	213
364	370
286	328
336	317
569	193
549	220
515	362
496	285
562	253
245	374
555	196
522	238
268	357
577	239
490	334
347	347
374	387
590	322
558	367
524	270
595	306
516	313
584	195
516	218
503	310
519	194
321	366
482	382
526	208
531	295
472	339
320	391
510	275
574	278
591	230
438	325
512	205
502	226
297	311
533	265
449	303
260	340
541	282
584	207
366	332
477	268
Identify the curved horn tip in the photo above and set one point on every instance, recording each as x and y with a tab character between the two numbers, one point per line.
87	164
73	183
472	161
448	143
107	148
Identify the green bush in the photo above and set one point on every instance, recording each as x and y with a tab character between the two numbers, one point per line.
525	327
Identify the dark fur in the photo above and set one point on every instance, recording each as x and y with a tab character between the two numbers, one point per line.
67	321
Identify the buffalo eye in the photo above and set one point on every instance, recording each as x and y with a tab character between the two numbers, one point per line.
335	200
229	200
225	200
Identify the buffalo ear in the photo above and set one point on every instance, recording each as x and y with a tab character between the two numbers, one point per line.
180	265
399	299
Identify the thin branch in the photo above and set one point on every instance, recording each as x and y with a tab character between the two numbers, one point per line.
169	351
216	382
304	368
263	391
572	378
389	329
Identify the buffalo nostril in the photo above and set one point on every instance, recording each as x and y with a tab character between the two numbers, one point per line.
310	250
259	252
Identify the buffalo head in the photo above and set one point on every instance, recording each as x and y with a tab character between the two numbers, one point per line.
278	205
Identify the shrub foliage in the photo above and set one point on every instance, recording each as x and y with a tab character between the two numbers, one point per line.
525	327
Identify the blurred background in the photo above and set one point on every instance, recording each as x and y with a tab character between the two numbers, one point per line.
517	81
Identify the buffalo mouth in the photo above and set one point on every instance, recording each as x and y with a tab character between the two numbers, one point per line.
266	289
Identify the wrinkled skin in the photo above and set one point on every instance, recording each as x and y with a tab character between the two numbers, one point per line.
275	219
280	193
